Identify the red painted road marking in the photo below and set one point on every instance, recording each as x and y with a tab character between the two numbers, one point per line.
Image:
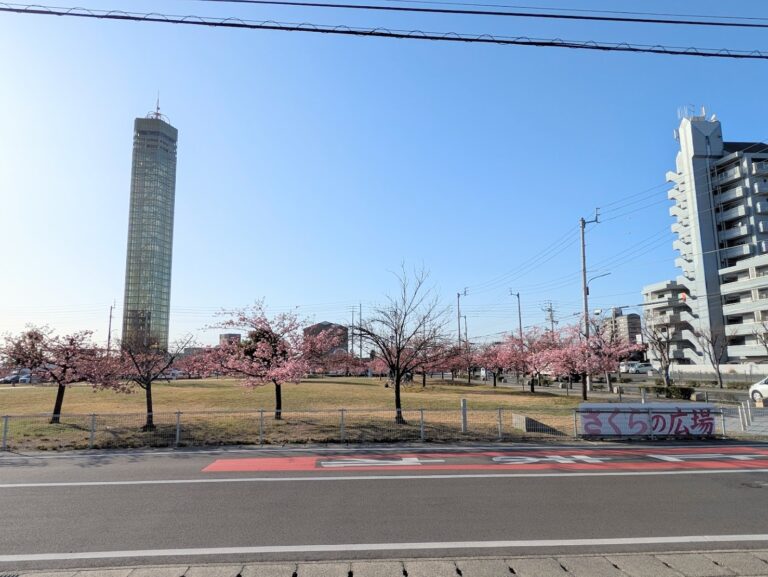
565	460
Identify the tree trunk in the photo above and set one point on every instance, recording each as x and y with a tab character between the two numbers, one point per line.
398	405
608	381
424	380
278	402
494	378
57	404
531	384
719	377
583	386
469	375
150	424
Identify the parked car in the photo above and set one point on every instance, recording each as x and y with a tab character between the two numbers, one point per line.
626	366
10	379
759	390
642	369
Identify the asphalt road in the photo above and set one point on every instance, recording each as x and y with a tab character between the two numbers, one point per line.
109	509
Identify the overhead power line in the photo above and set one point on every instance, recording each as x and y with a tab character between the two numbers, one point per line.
237	23
465	12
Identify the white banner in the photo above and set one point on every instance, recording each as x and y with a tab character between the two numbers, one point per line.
649	419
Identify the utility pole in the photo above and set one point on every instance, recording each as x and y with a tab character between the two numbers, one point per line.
360	339
549	309
109	330
458	312
466	345
352	335
585	384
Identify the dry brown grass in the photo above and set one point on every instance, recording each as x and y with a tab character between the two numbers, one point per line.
310	394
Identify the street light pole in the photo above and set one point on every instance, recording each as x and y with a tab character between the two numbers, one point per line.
585	290
458	312
519	314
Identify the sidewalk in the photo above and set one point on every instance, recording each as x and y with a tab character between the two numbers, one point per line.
689	564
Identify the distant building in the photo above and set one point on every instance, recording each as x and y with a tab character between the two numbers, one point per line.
625	327
720	194
340	331
229	338
150	234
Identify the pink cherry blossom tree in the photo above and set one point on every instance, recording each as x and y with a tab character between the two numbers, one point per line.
495	357
275	349
63	359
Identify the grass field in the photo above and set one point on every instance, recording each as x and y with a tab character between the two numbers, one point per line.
311	413
311	394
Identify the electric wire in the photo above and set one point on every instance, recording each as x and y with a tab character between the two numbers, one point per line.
464	12
453	37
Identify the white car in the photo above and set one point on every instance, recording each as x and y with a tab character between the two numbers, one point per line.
759	390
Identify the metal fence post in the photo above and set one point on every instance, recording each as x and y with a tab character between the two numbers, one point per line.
749	411
5	432
463	415
261	426
575	423
341	426
501	426
650	423
642	395
421	424
742	419
178	428
93	431
722	421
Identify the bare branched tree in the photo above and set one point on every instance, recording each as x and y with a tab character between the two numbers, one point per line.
714	345
406	330
761	334
658	336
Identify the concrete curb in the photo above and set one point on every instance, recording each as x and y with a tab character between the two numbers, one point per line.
720	563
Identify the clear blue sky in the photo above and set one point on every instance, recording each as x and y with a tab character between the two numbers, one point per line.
311	166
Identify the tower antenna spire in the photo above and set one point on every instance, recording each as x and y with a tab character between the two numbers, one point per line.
156	112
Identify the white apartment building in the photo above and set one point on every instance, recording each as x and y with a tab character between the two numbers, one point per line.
720	191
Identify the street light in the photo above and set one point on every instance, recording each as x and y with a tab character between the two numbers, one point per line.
586	384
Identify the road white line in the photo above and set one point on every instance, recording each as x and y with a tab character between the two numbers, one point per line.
372	478
353	547
592	445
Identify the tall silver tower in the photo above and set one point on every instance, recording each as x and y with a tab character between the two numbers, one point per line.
150	234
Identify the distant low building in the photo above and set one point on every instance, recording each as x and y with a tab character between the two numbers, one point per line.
340	331
230	338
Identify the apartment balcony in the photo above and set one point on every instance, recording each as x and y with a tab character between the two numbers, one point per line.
727	176
762	226
759	168
762	247
746	351
736	251
679	210
743	285
745	307
743	329
681	246
673	176
761	207
735	212
684	261
735	232
732	194
675	194
760	187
